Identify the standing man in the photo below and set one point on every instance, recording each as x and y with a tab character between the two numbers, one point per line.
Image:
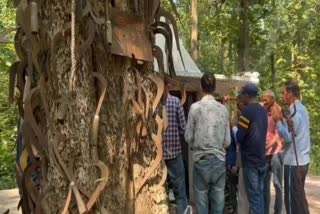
172	150
231	177
273	156
251	135
242	203
295	164
208	133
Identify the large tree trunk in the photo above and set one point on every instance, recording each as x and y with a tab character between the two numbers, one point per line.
243	61
72	154
194	31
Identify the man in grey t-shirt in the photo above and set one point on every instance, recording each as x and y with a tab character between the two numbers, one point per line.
208	133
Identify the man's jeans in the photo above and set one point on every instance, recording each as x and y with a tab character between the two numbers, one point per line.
209	177
243	204
275	167
176	175
254	182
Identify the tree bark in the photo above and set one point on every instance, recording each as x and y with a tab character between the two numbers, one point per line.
71	116
243	56
194	31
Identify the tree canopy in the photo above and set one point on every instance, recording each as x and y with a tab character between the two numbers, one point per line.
283	42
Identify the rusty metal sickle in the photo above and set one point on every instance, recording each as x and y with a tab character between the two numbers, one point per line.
68	200
157	53
169	17
96	119
157	138
105	174
168	37
160	89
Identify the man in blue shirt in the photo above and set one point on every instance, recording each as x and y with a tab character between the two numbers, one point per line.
251	135
297	137
231	177
242	203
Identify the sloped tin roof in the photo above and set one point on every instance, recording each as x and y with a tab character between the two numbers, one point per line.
186	68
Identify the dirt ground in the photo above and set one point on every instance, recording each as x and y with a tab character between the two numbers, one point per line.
312	189
9	198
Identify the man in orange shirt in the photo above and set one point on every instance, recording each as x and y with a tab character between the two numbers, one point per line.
273	156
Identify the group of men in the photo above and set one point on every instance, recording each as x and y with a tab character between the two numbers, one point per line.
239	157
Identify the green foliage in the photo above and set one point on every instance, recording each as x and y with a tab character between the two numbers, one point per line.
7	174
289	29
8	114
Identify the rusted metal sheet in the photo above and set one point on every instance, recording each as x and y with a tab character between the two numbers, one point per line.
130	36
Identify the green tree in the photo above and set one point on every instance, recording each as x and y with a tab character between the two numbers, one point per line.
283	42
8	113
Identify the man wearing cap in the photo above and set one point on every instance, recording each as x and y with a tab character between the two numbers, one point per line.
251	135
242	203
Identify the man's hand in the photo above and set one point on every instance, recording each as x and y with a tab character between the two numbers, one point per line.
226	99
226	146
280	143
234	121
276	112
234	170
275	141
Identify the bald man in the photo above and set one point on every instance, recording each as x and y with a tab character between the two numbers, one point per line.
273	156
